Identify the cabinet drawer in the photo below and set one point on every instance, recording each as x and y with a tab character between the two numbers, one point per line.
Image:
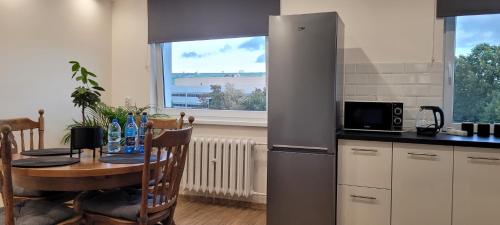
422	184
365	163
363	206
476	186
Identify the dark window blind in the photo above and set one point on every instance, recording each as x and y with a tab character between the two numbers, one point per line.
446	8
187	20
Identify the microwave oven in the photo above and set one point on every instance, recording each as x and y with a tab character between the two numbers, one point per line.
373	116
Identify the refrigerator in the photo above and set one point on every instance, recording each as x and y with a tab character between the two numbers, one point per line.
305	79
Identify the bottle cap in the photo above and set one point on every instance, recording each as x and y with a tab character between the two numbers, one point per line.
115	120
144	113
130	113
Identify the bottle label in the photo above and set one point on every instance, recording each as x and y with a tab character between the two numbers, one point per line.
141	140
130	141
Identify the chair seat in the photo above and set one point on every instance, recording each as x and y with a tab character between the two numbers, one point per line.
56	196
38	212
123	203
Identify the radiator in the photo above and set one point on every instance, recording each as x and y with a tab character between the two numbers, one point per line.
219	166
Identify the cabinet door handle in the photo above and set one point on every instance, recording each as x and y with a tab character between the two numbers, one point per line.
421	154
484	158
363	197
364	150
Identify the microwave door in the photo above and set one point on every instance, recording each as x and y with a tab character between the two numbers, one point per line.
368	116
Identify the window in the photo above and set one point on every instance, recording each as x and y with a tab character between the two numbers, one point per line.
473	88
221	74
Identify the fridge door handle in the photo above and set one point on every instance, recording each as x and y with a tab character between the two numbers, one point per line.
301	147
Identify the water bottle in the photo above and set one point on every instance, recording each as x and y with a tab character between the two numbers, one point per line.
114	136
142	132
130	134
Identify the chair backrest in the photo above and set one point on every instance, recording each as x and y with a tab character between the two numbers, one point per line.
6	174
23	125
174	145
161	125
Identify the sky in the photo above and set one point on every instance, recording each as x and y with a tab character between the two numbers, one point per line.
221	55
473	30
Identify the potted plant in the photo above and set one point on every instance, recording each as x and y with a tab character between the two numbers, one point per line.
86	96
101	115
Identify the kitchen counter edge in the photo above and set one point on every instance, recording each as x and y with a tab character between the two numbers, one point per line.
412	137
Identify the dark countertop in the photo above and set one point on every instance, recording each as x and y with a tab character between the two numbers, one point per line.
412	137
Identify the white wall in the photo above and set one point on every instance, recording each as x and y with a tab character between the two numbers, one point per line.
381	31
37	39
130	61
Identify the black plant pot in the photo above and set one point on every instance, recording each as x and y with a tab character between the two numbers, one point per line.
86	138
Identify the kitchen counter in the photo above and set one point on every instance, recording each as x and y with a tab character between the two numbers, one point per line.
412	137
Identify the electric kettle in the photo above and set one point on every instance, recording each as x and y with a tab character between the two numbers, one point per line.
427	122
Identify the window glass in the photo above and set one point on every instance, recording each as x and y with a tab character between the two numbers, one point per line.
477	69
222	74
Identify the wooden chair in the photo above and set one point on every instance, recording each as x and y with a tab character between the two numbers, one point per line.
161	125
30	211
24	125
156	201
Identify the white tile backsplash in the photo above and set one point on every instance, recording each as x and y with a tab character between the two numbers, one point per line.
414	84
380	68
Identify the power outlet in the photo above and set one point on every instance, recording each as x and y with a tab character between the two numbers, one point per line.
128	101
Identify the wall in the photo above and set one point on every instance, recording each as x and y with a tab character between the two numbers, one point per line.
392	51
130	61
37	40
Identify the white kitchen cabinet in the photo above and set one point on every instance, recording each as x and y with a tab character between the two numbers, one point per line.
422	184
365	163
476	188
363	206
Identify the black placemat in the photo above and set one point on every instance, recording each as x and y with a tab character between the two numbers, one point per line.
44	162
125	159
105	150
49	152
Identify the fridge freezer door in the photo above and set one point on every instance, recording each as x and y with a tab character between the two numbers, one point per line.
301	82
301	188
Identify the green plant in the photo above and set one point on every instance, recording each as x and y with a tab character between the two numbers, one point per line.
101	115
87	95
477	85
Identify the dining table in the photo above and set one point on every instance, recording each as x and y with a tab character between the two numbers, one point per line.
88	174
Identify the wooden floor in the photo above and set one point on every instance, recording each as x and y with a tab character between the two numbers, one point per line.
196	213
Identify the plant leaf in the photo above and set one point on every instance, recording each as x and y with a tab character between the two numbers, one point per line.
78	78
98	88
93	82
85	73
75	67
91	74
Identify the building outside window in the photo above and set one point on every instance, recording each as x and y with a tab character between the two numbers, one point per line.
221	74
472	89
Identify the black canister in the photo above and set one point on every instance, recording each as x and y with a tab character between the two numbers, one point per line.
469	127
496	131
483	129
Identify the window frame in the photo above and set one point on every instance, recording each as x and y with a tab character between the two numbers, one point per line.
449	46
203	116
449	70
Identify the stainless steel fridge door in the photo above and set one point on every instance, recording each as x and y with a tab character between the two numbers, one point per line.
301	83
301	189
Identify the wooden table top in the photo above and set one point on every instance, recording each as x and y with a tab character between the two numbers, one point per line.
87	167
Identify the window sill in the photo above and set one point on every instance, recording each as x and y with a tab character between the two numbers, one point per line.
232	122
221	117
